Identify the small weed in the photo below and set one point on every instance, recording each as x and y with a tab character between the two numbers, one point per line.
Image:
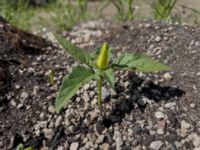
122	12
162	9
51	76
96	66
66	14
19	15
21	147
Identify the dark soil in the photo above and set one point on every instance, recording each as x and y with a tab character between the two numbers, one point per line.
27	97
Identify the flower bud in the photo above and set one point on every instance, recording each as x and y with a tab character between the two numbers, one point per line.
102	59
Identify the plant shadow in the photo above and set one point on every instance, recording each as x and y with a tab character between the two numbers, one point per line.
150	91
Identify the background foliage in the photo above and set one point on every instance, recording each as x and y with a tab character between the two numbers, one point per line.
63	14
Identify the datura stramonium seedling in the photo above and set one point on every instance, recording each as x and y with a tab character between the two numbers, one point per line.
96	66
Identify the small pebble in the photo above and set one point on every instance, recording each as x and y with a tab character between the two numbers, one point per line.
74	146
24	95
156	145
192	105
17	86
167	76
105	146
48	133
51	109
170	105
157	39
159	115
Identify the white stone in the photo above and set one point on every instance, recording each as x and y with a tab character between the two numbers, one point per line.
36	90
17	86
192	105
60	148
13	103
195	139
105	146
74	146
156	145
48	133
58	121
185	124
51	109
197	148
160	131
170	105
24	95
105	93
167	76
157	39
100	139
159	115
118	138
184	128
30	70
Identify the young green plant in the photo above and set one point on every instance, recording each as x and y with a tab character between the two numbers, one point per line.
124	9
96	66
162	9
21	147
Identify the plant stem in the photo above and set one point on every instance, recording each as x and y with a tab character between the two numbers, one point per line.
100	92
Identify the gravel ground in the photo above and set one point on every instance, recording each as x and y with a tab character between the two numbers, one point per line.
147	111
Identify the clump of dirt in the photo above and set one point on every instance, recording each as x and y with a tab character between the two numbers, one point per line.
15	44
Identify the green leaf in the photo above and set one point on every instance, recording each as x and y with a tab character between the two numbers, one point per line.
20	147
140	62
110	77
76	52
72	83
29	148
97	51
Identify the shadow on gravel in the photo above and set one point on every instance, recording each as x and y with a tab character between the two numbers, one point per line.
4	80
151	91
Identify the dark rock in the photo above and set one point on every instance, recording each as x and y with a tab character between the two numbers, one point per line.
147	140
35	143
172	146
135	80
125	106
115	118
137	129
101	125
171	138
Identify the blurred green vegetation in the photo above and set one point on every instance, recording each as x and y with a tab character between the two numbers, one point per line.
18	14
162	9
63	14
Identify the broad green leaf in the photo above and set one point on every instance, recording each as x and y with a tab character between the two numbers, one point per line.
20	147
76	52
110	77
28	148
140	62
72	83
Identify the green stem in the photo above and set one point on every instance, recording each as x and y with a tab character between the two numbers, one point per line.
100	92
